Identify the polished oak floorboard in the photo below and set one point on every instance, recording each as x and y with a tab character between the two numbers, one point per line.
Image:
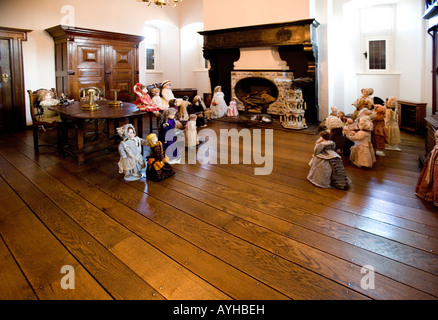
214	231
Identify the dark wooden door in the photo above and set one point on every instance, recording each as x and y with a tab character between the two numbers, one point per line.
5	85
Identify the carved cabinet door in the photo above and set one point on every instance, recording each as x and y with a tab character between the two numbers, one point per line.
90	68
121	65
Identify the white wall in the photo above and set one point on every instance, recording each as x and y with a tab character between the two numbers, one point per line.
221	14
410	79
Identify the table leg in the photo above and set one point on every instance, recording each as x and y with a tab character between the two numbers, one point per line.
140	126
80	141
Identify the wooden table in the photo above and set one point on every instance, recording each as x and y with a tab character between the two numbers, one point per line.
75	114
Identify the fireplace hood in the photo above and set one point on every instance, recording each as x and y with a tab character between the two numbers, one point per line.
292	45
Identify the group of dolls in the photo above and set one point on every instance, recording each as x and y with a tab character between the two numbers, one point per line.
131	157
370	130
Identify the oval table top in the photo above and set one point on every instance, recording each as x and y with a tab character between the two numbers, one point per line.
104	111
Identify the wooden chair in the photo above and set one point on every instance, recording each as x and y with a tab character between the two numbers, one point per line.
38	125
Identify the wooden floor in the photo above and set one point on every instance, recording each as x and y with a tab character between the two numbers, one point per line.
214	231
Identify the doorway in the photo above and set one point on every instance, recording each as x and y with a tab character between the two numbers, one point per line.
12	94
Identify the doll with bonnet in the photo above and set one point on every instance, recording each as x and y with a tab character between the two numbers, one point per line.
158	167
392	124
365	101
166	91
362	152
130	149
46	99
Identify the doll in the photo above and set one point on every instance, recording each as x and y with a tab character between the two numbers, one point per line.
392	124
326	167
362	152
334	111
166	91
218	105
365	101
341	115
157	100
131	159
158	164
427	184
232	108
199	106
379	136
45	97
342	145
169	128
199	109
144	101
190	132
183	105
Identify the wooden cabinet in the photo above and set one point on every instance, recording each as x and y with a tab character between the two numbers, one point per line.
86	57
411	116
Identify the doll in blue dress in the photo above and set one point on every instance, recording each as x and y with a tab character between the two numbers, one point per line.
170	127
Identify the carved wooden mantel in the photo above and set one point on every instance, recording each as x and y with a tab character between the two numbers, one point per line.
296	43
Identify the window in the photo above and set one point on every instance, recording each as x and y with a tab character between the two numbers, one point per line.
377	25
151	41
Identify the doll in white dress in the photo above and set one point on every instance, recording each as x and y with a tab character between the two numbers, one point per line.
130	149
218	105
46	99
362	152
232	108
166	91
191	133
391	121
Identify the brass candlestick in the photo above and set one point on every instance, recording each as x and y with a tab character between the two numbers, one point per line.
114	102
91	105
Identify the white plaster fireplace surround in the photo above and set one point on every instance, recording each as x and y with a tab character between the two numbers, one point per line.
265	63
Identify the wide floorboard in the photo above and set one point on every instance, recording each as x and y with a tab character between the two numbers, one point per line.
214	230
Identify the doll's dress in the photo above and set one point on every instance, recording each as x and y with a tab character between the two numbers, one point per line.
191	134
379	136
362	152
232	109
167	95
49	115
184	115
131	159
168	139
392	127
326	167
218	105
198	109
427	184
361	103
158	164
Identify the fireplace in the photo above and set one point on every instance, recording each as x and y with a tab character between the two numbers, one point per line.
263	54
259	91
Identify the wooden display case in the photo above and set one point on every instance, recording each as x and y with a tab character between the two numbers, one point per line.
411	116
94	58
